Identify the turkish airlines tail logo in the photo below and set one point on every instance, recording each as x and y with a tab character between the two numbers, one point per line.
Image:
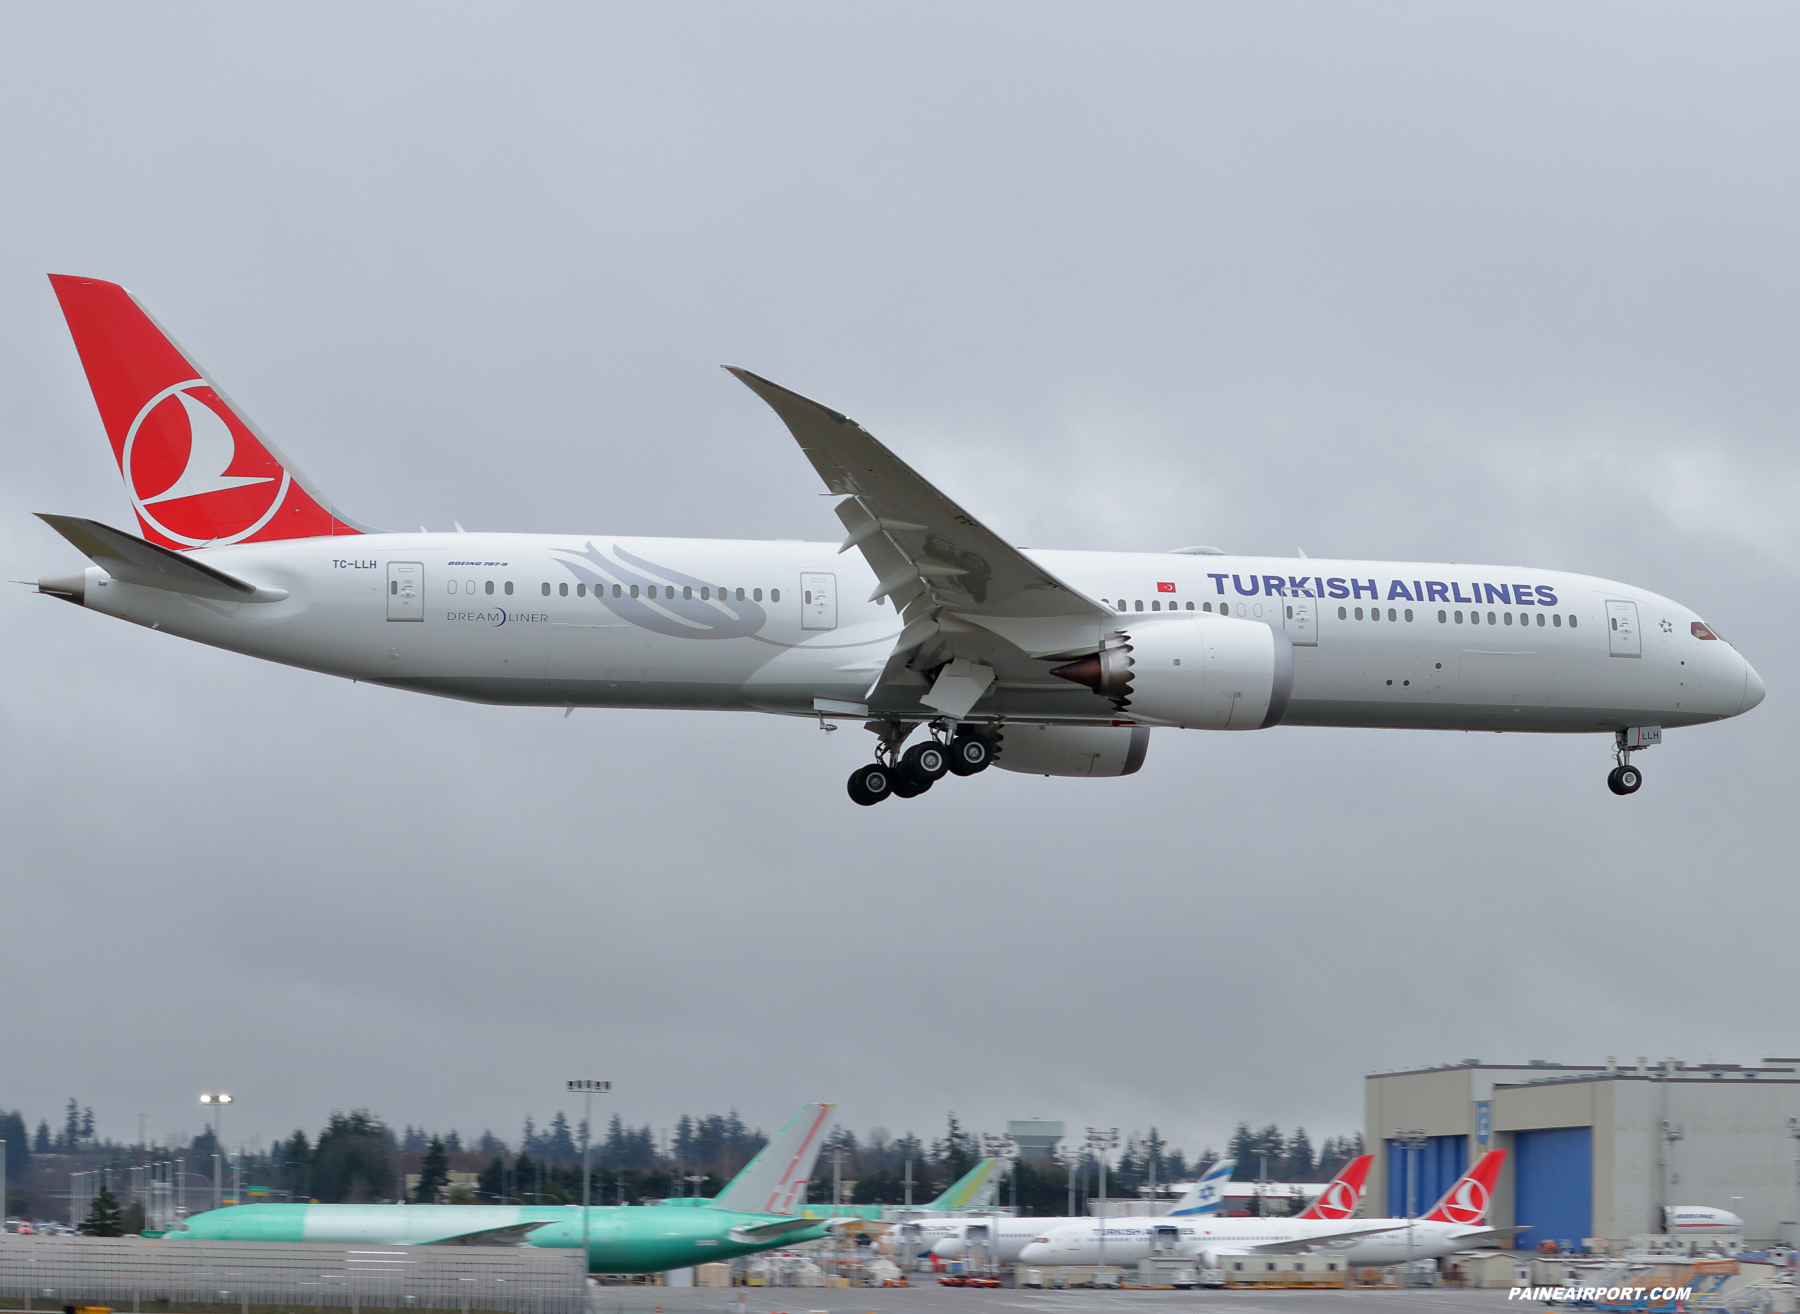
1466	1203
1338	1199
197	473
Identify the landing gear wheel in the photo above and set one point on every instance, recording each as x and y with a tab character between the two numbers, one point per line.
870	784
1624	780
905	786
925	764
970	754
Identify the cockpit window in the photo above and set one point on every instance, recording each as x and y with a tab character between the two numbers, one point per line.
1701	632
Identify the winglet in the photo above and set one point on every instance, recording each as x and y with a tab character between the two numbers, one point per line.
774	1182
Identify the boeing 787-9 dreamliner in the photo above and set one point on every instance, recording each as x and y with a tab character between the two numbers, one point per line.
1045	662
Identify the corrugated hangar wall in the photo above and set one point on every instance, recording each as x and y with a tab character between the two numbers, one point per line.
1438	1165
1553	1184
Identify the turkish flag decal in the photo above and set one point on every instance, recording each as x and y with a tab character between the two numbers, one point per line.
1165	588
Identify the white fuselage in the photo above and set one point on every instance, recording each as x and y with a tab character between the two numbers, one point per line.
773	626
1001	1238
1128	1240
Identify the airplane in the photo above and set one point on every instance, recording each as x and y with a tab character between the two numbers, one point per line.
1343	1192
975	1189
1455	1223
757	1210
1055	663
1004	1239
1699	1220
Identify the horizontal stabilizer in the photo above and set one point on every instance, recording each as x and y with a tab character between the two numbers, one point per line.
772	1231
131	560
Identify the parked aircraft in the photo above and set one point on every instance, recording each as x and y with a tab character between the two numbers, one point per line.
1699	1220
1044	662
757	1210
1343	1192
1003	1239
1457	1222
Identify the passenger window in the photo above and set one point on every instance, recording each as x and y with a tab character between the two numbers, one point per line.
740	595
1571	622
1155	605
450	586
1491	620
774	595
1556	620
546	590
687	591
756	594
1140	604
1190	606
1391	614
617	590
394	587
1341	615
1540	617
562	590
469	587
1442	618
1409	615
1359	613
1207	606
1459	618
634	589
509	588
808	597
1615	622
581	590
1509	618
1290	613
490	586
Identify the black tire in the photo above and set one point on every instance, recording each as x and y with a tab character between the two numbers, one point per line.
870	784
1625	780
926	763
970	754
906	786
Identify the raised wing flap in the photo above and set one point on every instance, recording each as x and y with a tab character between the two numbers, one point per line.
131	560
966	594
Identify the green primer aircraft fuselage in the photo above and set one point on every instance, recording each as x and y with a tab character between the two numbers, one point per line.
621	1239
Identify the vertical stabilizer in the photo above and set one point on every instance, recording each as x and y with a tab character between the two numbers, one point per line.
774	1182
975	1189
1466	1203
1341	1193
1206	1196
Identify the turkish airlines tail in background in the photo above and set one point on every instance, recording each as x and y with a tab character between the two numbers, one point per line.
1338	1199
198	472
1466	1203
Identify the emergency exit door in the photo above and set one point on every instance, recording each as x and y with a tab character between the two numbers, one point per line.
818	602
1302	620
406	591
1622	630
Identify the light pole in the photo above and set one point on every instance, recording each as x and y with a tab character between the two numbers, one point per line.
1411	1141
997	1147
587	1088
216	1100
1101	1143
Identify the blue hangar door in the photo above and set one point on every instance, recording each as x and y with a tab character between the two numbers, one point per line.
1435	1170
1553	1175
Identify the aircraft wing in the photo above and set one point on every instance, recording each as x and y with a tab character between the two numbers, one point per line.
511	1235
1481	1236
775	1229
957	584
1307	1244
132	560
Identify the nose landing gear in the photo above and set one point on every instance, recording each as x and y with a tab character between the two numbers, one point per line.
1624	779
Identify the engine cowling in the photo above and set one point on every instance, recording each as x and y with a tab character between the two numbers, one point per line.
1202	673
1073	750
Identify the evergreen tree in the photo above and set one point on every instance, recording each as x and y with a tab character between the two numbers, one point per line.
453	1142
71	1132
1298	1164
559	1146
433	1173
412	1140
528	1139
293	1162
955	1153
18	1143
351	1162
41	1142
87	1124
103	1217
133	1219
491	1185
492	1144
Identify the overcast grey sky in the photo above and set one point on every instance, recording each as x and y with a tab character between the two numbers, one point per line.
1509	283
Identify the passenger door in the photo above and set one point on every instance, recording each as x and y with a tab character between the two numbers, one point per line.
406	591
818	602
1622	636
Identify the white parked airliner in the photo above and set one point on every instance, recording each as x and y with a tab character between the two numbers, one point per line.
1046	662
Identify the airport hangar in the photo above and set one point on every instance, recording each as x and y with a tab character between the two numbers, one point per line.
1594	1151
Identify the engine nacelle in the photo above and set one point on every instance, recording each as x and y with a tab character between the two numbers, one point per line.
1203	673
1072	750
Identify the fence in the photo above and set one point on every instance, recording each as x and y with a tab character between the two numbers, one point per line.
137	1272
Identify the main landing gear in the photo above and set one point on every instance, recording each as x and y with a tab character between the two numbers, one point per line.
1625	778
948	751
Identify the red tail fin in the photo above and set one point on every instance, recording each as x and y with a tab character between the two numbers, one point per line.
1338	1199
197	471
1466	1203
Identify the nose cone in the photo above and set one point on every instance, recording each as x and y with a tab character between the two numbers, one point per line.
1754	688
